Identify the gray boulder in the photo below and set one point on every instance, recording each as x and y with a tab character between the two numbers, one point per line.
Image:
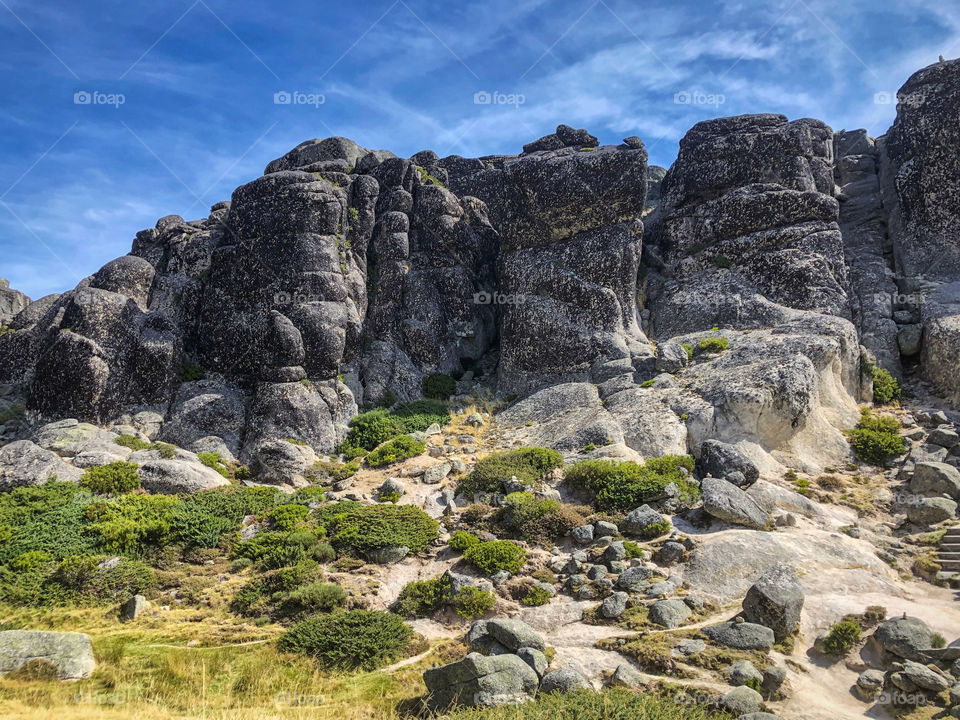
564	680
776	601
133	607
177	476
923	677
741	636
535	659
435	473
70	653
729	503
742	700
935	478
515	634
719	459
480	681
905	637
671	357
388	555
614	606
930	510
24	463
670	613
583	534
644	522
743	672
627	676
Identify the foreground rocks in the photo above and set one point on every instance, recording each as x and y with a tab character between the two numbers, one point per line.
69	654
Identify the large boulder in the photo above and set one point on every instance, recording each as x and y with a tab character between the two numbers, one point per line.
936	478
564	680
741	636
70	654
729	503
25	463
670	613
178	476
905	637
719	459
644	522
515	634
480	681
776	601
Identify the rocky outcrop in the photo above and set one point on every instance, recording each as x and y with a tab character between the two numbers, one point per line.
12	302
480	681
919	176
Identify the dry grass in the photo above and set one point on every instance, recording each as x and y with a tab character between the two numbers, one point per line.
231	670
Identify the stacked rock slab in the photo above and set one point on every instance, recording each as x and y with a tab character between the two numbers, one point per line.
920	173
11	302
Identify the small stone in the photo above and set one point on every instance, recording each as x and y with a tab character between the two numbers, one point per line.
133	607
614	606
743	672
742	700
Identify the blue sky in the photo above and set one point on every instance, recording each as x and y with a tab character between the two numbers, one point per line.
198	78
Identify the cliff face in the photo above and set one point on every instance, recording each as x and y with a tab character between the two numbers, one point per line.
566	276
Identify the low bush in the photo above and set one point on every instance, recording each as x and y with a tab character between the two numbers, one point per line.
369	429
472	602
311	599
842	637
461	540
287	517
626	485
422	598
539	520
363	528
876	439
886	388
535	596
496	555
529	465
335	471
115	478
357	639
132	442
421	414
400	448
213	461
438	386
713	344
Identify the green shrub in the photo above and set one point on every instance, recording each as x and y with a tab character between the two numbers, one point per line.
633	549
886	389
370	429
47	518
289	578
82	574
421	414
31	559
166	450
938	641
627	485
496	555
876	439
422	598
115	478
536	519
214	461
400	448
842	637
713	344
461	540
364	528
529	465
287	517
472	602
126	524
310	599
438	386
535	596
358	639
132	442
336	471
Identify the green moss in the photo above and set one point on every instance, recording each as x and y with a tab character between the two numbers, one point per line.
689	350
647	383
214	461
132	442
713	344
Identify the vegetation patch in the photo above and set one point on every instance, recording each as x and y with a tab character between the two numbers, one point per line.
364	528
713	345
538	520
396	450
624	486
117	477
357	639
886	388
529	465
496	555
876	439
842	637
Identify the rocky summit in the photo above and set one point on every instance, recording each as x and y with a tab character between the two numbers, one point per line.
515	428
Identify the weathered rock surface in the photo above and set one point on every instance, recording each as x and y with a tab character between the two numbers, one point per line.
69	653
776	601
480	681
729	503
12	302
